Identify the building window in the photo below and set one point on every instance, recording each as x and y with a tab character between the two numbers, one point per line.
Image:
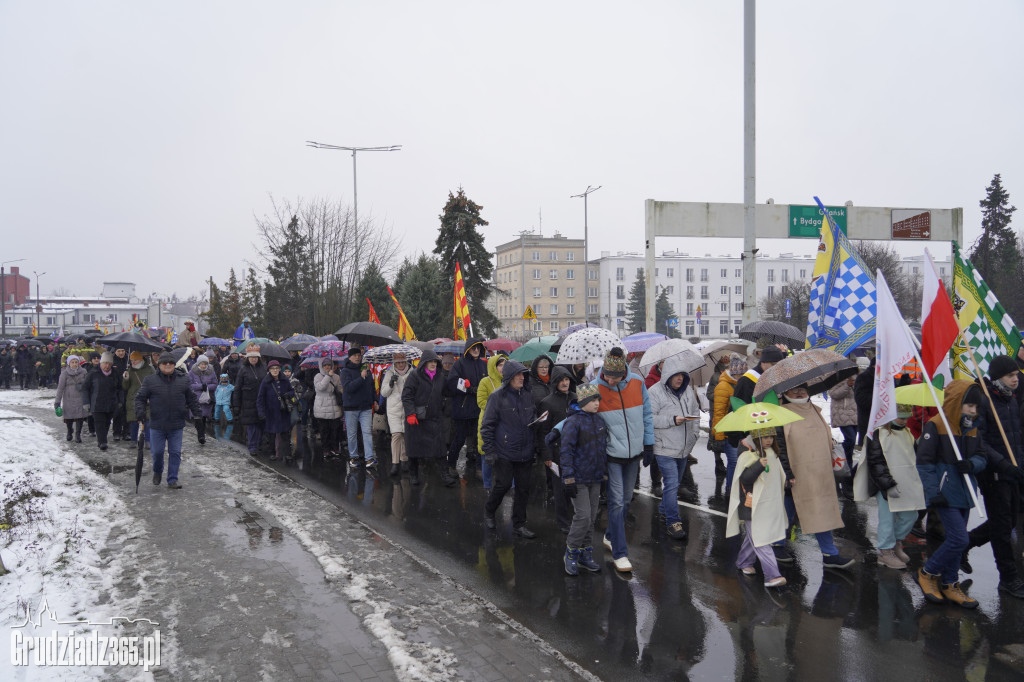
655	272
592	309
515	275
689	274
771	291
689	293
942	272
553	326
724	271
689	327
620	309
536	255
620	291
705	327
670	272
725	307
669	290
536	292
703	293
554	309
736	324
738	307
785	275
536	325
914	269
703	274
553	292
639	272
536	274
553	256
570	256
570	292
591	274
737	290
689	309
570	274
552	274
51	320
803	274
570	309
592	292
723	327
771	275
724	291
739	273
620	274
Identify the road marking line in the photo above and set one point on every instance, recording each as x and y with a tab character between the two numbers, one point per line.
684	504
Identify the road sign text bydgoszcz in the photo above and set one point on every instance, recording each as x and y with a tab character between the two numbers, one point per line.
805	221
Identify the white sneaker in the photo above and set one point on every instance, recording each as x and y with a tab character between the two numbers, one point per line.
622	565
607	543
775	582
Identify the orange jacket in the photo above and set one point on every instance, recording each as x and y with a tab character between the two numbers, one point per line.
723	391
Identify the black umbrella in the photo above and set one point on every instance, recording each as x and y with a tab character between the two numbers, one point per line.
296	345
367	334
140	458
130	341
77	338
273	351
774	332
29	342
93	332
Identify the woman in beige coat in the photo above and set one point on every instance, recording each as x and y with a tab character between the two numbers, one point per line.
391	385
805	448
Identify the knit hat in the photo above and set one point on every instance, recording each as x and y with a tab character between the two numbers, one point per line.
202	358
771	354
353	350
974	395
223	376
1000	366
166	357
253	351
75	358
273	363
737	364
135	356
614	363
585	393
107	357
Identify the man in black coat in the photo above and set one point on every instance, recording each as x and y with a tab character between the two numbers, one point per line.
169	398
1001	491
243	399
863	392
463	380
103	397
6	366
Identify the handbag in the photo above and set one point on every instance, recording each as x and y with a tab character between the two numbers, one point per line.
840	465
204	398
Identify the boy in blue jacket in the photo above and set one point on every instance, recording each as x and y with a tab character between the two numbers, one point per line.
222	400
583	463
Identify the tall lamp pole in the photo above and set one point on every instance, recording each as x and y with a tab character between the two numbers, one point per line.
354	150
586	262
3	296
39	308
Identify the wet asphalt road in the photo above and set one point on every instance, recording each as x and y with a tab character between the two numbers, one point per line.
686	613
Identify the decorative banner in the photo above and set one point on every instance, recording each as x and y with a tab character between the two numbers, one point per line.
404	330
461	323
373	313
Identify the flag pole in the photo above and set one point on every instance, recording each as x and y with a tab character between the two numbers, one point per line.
981	380
942	416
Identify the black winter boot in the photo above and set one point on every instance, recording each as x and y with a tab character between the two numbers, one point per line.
201	430
70	435
78	430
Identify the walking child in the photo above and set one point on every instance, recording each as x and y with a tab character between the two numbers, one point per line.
222	398
582	456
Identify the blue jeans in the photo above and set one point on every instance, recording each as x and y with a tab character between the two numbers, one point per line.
731	456
945	561
157	439
892	526
485	472
622	475
671	473
849	440
825	542
133	432
357	421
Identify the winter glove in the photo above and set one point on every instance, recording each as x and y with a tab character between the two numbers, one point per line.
411	419
893	492
394	380
570	490
964	466
491	459
648	455
938	501
58	410
465	383
1012	473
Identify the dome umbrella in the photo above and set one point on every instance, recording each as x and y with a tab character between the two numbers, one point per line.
507	345
298	341
692	360
774	332
575	328
642	341
819	368
529	351
131	341
367	334
325	349
214	341
586	345
242	345
384	355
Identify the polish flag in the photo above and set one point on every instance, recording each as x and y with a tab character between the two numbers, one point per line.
939	327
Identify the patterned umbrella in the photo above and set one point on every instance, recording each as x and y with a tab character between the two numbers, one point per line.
575	328
214	341
384	355
507	345
819	368
692	360
455	347
325	349
587	344
756	416
775	332
642	341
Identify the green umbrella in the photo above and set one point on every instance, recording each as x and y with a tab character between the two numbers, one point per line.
756	416
242	345
529	351
918	394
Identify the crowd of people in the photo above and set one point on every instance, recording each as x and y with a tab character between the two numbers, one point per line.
589	429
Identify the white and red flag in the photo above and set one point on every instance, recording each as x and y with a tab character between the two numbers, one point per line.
939	327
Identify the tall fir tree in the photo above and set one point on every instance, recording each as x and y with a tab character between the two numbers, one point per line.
460	241
231	301
416	287
636	308
252	302
664	311
287	307
372	286
996	253
217	317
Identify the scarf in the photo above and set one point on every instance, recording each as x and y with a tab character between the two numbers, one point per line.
430	373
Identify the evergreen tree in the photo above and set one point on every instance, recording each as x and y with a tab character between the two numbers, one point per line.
231	301
372	286
459	241
996	254
216	316
252	303
287	304
664	310
416	288
636	309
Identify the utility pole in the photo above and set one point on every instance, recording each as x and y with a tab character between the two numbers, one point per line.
749	166
586	261
39	308
3	296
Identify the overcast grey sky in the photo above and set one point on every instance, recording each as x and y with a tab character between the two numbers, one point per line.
137	139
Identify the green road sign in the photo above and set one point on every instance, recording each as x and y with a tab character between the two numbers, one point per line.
805	221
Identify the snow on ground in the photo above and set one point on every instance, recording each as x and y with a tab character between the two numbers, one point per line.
56	516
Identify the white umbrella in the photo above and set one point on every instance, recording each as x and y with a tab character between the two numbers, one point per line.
713	352
691	359
591	343
384	355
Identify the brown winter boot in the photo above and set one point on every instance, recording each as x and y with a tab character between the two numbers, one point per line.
900	554
888	558
956	595
930	586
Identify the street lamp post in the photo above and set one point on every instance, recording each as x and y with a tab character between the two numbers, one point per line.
586	262
354	150
3	296
39	308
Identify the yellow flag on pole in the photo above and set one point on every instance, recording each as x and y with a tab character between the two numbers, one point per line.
461	322
404	328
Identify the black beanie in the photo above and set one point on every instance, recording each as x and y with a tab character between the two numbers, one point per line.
1000	366
772	354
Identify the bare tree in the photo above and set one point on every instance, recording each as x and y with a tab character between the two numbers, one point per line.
62	292
883	256
774	307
